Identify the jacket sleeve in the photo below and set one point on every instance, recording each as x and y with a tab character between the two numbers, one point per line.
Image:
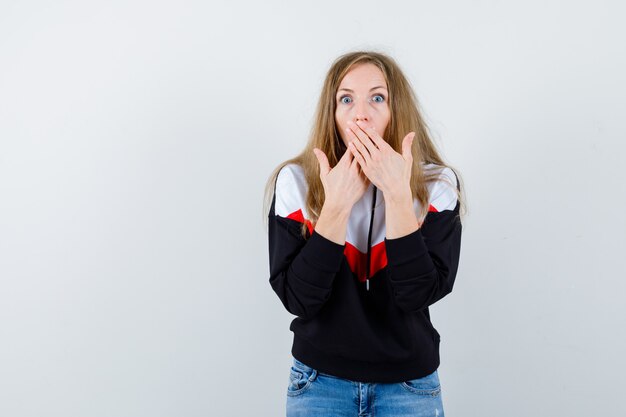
423	264
302	271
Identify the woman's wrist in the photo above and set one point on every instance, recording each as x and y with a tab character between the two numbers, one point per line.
336	209
400	217
333	222
400	196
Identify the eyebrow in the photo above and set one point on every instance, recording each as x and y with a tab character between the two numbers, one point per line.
371	89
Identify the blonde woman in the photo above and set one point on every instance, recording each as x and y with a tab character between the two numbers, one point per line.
364	235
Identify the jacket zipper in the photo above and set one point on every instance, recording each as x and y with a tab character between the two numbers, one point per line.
369	242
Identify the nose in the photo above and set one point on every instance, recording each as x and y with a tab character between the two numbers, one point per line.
362	117
361	112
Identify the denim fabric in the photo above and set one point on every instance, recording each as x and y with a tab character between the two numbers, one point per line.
313	393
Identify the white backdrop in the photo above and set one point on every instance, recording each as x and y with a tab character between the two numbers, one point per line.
135	141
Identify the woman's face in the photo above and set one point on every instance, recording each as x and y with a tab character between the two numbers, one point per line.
362	95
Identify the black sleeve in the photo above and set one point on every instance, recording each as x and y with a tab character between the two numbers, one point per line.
301	270
423	264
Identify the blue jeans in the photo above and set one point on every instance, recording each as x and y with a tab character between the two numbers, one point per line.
313	393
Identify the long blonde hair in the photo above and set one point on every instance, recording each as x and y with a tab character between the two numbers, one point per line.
405	118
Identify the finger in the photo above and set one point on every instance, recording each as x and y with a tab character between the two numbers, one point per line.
363	176
360	151
373	135
407	143
357	154
357	169
354	164
323	161
359	134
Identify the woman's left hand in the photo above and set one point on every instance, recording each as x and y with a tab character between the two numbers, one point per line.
388	170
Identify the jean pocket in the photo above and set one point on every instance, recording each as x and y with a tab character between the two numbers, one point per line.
428	385
301	377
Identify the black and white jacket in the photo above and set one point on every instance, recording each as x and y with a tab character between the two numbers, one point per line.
364	321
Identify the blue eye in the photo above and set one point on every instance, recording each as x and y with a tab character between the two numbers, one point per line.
345	100
378	98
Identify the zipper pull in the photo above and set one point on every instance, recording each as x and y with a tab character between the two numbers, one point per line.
367	284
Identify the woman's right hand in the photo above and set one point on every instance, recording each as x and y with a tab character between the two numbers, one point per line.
344	184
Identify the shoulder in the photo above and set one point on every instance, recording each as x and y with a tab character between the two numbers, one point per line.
442	191
290	191
289	175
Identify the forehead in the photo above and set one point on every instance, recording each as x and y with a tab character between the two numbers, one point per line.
363	75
